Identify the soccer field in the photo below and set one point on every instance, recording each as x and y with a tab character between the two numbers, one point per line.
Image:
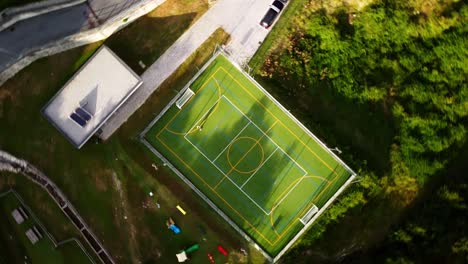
248	155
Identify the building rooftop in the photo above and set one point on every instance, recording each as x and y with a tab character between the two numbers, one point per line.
32	236
17	216
91	96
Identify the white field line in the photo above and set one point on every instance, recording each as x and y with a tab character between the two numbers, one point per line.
277	147
205	114
270	139
242	186
293	160
284	197
288	113
203	196
250	198
201	152
232	141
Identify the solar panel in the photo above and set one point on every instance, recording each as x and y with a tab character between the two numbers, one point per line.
83	114
78	119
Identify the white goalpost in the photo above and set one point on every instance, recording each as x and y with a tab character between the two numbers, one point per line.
306	218
184	98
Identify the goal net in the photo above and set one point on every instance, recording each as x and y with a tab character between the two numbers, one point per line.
184	98
306	218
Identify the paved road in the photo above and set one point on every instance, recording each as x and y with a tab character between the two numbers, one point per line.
240	18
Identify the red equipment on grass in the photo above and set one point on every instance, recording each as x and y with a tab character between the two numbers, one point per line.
210	258
222	250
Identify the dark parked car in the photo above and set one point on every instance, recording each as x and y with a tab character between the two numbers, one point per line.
272	14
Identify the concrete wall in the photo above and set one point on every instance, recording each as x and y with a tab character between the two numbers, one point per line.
11	15
101	32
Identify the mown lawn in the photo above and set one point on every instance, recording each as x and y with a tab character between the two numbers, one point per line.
87	176
15	244
371	134
109	182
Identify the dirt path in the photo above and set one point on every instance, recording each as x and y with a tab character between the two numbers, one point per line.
128	219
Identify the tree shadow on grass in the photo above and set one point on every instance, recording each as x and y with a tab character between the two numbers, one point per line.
148	38
270	184
358	129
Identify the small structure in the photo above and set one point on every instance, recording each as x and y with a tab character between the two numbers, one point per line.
192	248
96	91
174	229
181	256
19	215
33	235
171	225
222	250
210	257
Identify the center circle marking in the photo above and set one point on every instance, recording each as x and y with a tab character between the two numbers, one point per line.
252	146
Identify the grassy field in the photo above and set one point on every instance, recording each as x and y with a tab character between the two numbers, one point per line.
15	245
44	208
21	99
248	155
116	175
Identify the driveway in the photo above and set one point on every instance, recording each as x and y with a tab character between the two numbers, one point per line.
240	18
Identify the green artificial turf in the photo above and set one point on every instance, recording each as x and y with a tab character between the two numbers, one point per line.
248	155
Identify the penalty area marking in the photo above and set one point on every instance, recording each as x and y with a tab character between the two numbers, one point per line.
227	176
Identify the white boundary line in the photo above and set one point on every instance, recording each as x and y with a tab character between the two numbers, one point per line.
269	138
263	132
340	190
241	231
204	197
227	177
261	165
221	52
294	187
232	141
278	147
284	197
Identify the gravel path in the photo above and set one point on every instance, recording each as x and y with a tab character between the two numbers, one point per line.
239	18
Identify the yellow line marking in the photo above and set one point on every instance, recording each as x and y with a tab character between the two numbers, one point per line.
266	108
242	158
287	189
196	93
302	212
297	137
229	151
276	120
214	191
216	106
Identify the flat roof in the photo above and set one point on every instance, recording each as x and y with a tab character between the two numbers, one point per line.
17	216
91	96
32	236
